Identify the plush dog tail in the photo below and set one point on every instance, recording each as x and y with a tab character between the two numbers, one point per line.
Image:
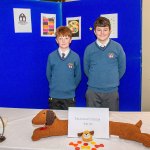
139	124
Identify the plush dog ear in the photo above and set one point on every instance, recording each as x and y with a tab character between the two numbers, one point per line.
91	132
50	117
80	134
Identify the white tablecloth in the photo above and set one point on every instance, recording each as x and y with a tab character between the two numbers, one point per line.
19	130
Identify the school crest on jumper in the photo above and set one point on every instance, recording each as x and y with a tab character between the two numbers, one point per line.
111	55
70	65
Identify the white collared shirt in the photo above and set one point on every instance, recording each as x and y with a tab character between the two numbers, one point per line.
102	45
65	52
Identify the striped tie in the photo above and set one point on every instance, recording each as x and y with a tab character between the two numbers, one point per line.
63	56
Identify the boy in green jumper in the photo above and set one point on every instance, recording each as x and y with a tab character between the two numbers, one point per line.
63	71
104	65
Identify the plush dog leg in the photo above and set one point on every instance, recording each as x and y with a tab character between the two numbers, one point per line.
39	133
144	138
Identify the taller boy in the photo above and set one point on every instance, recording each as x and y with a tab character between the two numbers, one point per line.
63	71
104	65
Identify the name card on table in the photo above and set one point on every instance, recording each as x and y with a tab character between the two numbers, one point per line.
92	119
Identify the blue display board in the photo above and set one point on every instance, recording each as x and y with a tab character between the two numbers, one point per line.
129	36
23	57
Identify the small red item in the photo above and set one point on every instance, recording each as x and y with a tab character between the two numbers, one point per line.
79	142
85	144
77	148
43	128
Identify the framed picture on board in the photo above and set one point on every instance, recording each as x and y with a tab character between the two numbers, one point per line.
74	23
48	25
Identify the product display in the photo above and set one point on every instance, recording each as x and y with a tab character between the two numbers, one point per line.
53	126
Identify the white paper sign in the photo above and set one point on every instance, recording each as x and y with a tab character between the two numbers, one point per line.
114	24
22	20
92	119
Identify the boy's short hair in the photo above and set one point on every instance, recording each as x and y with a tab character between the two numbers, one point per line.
102	22
63	31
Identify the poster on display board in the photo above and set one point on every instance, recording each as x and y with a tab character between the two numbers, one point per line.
74	23
113	18
22	20
48	25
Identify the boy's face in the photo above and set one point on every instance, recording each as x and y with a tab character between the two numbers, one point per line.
102	33
63	42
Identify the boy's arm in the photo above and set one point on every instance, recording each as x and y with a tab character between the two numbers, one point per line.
48	70
86	63
78	72
121	63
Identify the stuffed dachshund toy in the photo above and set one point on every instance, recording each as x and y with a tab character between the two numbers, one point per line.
56	127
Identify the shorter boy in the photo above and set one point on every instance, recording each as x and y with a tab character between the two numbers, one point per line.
63	71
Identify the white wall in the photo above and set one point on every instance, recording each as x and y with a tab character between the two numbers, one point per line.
146	56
